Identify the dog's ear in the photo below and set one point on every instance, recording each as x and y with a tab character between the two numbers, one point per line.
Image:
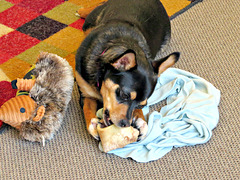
126	62
161	65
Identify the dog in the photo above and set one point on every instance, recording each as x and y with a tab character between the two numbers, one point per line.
114	63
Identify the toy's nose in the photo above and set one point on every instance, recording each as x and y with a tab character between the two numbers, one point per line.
124	123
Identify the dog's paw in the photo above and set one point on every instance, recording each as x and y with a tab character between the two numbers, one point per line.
92	128
142	126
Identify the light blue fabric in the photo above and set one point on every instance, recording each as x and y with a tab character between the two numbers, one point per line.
188	118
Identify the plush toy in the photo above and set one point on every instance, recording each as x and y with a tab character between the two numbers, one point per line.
113	137
88	6
38	110
19	109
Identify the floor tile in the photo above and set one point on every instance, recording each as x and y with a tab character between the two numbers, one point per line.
5	30
4	5
4	57
15	68
71	60
172	8
16	16
40	6
31	54
3	76
15	43
64	13
86	3
78	24
67	39
15	1
41	28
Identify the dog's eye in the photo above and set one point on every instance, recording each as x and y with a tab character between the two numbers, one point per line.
123	96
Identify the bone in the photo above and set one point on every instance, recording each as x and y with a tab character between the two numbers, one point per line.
113	137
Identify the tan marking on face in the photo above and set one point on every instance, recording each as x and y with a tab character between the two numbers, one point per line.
86	89
133	95
117	111
143	103
138	113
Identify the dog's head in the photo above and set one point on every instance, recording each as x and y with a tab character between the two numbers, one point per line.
127	85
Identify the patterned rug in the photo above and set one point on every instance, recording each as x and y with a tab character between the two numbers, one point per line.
28	27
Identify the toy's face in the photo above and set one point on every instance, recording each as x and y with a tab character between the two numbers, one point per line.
17	110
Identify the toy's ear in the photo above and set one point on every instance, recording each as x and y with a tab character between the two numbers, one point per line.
126	62
161	65
40	114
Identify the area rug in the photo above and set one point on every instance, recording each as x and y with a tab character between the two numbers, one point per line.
28	27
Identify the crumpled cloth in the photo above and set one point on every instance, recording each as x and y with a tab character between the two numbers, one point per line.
188	118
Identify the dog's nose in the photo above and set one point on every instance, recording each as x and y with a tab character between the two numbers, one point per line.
124	123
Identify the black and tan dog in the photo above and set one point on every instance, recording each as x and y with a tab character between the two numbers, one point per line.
114	64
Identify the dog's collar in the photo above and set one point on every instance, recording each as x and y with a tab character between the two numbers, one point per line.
98	81
103	52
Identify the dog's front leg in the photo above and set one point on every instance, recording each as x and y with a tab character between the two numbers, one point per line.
140	123
89	110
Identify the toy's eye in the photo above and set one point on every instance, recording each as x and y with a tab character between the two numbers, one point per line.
22	110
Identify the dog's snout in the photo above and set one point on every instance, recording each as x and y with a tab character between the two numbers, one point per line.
124	123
